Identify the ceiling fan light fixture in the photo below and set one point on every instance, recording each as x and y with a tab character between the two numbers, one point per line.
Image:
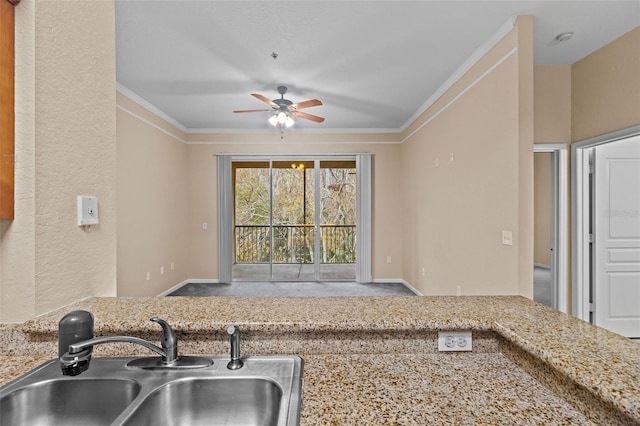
288	121
281	110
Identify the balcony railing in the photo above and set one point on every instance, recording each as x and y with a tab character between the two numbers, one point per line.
295	244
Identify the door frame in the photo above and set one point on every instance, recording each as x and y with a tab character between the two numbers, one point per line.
559	227
364	206
581	219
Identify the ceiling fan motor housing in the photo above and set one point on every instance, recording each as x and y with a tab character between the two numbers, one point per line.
282	102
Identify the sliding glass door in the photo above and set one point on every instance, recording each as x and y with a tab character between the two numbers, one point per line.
294	220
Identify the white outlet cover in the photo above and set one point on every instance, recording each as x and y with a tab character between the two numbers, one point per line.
462	339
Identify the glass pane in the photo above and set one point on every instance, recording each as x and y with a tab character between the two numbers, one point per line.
293	221
251	221
337	220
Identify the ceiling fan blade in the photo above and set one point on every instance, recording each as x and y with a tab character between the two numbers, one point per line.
253	110
308	116
306	104
265	100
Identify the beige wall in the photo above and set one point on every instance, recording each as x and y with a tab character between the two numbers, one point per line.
17	236
552	104
153	203
552	124
542	208
65	147
455	211
605	88
524	235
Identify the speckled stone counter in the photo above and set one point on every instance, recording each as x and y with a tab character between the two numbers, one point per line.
456	389
530	365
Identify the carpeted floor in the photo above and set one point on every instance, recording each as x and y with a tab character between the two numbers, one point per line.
542	285
292	289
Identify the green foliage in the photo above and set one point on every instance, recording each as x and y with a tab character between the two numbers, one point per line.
294	214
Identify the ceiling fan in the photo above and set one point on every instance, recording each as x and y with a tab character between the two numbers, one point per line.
283	109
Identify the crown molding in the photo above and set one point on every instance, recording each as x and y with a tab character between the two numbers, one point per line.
155	126
120	88
466	66
293	130
291	143
462	92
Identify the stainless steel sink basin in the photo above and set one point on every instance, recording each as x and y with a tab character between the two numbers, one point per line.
68	402
266	391
214	401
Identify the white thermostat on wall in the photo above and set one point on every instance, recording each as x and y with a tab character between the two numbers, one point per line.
87	210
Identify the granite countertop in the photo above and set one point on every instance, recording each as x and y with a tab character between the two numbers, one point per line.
427	390
606	364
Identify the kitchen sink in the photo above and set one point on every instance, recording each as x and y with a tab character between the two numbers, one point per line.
267	390
248	401
68	402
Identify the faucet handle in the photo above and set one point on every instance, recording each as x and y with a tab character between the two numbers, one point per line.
169	341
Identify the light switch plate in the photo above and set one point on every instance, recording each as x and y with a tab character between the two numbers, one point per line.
87	210
507	238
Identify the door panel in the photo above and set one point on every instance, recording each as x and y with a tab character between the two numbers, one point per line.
337	204
251	221
617	237
292	236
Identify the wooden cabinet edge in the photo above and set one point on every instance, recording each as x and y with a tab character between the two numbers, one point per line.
7	115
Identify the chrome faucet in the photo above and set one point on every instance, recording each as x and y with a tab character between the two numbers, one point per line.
77	358
234	338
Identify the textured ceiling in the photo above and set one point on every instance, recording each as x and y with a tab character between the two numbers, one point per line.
373	64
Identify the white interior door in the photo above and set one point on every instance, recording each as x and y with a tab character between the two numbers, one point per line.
616	267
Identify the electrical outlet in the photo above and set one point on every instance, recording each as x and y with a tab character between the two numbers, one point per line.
454	341
388	259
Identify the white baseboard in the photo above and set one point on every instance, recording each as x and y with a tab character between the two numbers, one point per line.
174	288
412	288
541	265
